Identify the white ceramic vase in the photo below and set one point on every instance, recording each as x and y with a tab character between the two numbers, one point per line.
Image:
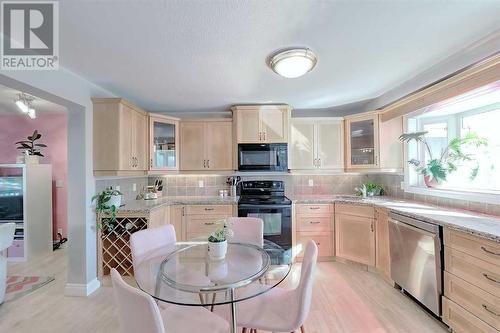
217	251
31	159
116	200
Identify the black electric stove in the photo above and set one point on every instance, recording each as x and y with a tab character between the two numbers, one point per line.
266	200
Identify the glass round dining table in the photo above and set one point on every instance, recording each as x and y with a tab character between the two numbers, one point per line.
184	274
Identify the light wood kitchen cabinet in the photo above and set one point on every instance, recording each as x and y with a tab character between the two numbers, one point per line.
261	123
372	144
206	145
177	220
355	234
163	143
120	137
316	143
200	220
471	301
316	222
159	216
382	251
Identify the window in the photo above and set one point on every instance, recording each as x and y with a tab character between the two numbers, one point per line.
471	124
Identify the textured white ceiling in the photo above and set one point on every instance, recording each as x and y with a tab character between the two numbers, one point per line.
207	55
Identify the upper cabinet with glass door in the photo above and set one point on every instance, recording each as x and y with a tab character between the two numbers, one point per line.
163	143
373	144
261	123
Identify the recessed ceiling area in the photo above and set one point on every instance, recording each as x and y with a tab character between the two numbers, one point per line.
207	55
41	106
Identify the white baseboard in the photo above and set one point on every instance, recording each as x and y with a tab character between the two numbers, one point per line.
82	290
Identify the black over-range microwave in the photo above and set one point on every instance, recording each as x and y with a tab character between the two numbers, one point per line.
263	157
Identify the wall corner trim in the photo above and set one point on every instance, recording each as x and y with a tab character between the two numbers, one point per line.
82	290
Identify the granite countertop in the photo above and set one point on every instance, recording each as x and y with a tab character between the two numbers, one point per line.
482	225
139	206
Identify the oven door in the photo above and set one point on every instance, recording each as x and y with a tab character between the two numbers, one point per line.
277	228
262	157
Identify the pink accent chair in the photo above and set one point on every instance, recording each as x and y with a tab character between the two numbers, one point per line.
247	230
282	310
144	241
138	312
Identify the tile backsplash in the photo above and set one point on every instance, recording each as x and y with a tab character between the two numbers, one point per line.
189	185
126	186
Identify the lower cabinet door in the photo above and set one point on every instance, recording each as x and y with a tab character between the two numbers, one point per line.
355	238
324	241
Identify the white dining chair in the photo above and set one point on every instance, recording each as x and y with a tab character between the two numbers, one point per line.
138	312
6	238
247	230
144	241
279	309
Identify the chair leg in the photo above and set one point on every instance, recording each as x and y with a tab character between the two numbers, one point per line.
202	301
302	329
244	330
213	302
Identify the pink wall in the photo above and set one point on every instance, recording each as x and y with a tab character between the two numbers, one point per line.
54	130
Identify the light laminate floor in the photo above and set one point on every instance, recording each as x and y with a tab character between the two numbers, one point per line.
347	298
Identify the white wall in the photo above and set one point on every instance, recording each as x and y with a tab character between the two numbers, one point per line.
74	92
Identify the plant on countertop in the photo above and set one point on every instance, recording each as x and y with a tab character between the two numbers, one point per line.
436	170
105	203
29	146
221	234
370	189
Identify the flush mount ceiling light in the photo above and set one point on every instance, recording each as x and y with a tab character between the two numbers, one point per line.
293	63
24	103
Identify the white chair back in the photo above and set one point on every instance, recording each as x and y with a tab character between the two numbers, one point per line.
137	311
247	230
144	241
6	235
305	288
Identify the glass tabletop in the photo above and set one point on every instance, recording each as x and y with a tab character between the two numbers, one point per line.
184	274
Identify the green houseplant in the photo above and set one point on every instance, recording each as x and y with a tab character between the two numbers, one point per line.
217	241
107	202
370	189
31	148
438	168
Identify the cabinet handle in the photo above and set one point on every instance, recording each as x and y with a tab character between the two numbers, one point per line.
489	278
318	243
208	164
183	211
151	163
490	252
209	223
319	162
490	311
204	163
371	226
208	209
376	160
264	136
314	208
314	222
260	136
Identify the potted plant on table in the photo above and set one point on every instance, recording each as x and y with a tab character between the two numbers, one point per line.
217	241
438	168
107	201
31	149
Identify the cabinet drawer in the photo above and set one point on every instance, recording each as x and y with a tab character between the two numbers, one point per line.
478	302
315	210
323	240
355	210
209	210
475	246
475	271
462	321
201	226
314	223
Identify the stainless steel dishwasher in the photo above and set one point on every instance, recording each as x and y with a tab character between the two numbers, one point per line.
415	249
